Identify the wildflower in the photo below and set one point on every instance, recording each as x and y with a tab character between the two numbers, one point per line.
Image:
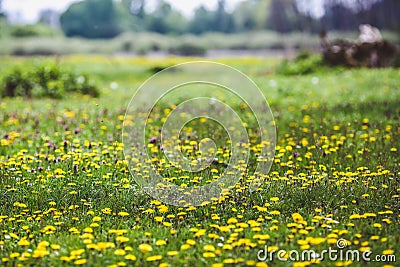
388	252
106	211
297	217
185	247
160	243
130	257
23	242
77	252
209	255
191	242
145	248
209	248
80	262
274	199
123	213
14	255
55	246
172	253
275	212
154	258
119	252
122	239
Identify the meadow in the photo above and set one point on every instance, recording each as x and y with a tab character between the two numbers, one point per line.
67	197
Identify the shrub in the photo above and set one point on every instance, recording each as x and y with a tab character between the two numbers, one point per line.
33	51
45	81
40	30
158	68
304	63
188	49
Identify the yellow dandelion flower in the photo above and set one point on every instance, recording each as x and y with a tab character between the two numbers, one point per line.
227	247
23	242
120	252
185	247
80	262
55	246
145	248
130	257
191	242
161	242
209	255
377	225
77	252
65	258
167	224
14	255
388	252
275	212
154	258
209	248
96	219
172	253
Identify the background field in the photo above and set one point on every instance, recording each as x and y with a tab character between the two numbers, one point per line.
66	196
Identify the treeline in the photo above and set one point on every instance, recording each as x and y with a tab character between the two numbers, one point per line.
108	18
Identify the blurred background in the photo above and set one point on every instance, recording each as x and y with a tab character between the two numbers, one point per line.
190	28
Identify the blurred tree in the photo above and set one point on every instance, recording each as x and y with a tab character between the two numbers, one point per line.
137	8
347	15
251	15
202	21
2	14
127	20
385	14
107	18
282	16
164	19
223	21
49	17
4	27
243	16
91	19
338	16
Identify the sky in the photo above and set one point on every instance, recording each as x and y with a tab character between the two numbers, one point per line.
27	11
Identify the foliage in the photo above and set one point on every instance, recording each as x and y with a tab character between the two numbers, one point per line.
27	31
91	19
283	16
304	63
4	28
341	15
188	49
45	81
165	20
36	30
107	18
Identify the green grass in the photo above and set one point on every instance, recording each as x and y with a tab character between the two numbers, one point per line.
335	174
